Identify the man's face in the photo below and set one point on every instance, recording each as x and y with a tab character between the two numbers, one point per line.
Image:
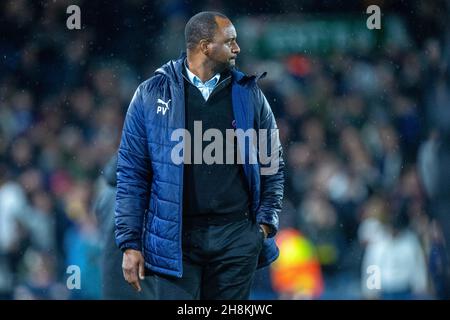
223	47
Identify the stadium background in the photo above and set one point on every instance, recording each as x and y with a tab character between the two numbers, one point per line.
361	113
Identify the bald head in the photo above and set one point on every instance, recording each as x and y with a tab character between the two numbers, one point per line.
203	25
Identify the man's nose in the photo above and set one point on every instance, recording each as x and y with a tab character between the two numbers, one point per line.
236	48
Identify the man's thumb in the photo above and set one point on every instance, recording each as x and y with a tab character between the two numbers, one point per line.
141	269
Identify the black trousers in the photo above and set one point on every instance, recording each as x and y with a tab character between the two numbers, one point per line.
219	262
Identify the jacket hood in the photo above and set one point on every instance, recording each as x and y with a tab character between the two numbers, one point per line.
172	69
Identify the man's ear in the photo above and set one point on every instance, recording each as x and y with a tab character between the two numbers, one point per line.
204	46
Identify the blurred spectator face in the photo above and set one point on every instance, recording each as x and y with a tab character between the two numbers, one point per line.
362	78
373	220
43	202
54	15
19	11
21	152
403	105
385	78
313	133
40	266
375	207
295	106
53	115
389	139
319	212
77	202
355	105
30	57
87	156
31	180
326	169
61	183
70	139
106	82
82	103
299	156
76	50
354	150
410	184
323	87
433	51
411	69
350	140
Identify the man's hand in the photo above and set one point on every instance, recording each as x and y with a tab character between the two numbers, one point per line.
266	230
133	267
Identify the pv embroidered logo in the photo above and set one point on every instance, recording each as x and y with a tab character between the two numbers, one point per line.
162	106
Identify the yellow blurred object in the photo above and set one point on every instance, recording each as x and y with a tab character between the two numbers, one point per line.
296	272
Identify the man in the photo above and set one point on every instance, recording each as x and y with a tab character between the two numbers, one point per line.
113	286
203	228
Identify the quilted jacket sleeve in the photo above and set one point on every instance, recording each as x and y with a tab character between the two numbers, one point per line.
272	167
133	177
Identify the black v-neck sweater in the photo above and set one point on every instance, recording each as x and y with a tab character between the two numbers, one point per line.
212	189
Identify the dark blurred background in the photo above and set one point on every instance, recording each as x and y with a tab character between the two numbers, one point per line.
364	118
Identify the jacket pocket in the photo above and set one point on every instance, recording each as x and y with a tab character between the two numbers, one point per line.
148	221
152	211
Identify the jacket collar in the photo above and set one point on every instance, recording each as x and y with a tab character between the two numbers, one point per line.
173	69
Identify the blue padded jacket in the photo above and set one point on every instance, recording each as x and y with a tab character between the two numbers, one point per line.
149	197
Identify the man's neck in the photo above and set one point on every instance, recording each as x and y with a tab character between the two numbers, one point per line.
201	69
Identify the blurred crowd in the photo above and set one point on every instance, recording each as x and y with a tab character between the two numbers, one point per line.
364	135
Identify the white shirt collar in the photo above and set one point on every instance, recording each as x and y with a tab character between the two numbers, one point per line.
211	83
205	88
